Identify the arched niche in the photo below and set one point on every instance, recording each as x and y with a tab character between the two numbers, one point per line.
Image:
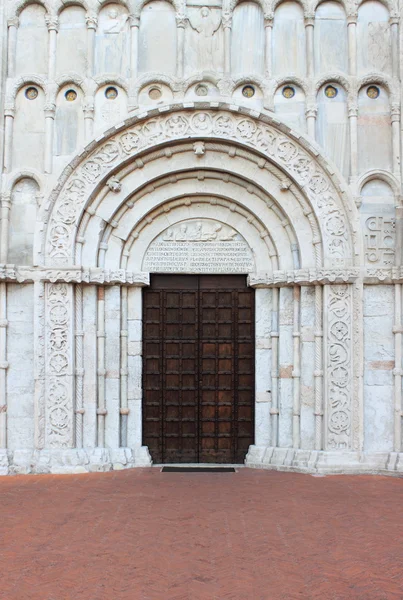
69	121
157	38
242	94
32	41
110	106
291	108
377	214
202	90
72	41
374	129
204	44
330	41
22	221
373	38
332	127
29	128
112	41
248	39
289	51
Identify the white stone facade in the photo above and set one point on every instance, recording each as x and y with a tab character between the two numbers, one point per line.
270	130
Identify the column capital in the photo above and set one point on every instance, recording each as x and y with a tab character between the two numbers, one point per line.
91	21
181	21
9	110
352	19
50	109
134	20
89	109
394	112
52	22
352	110
311	110
394	18
309	20
268	19
14	22
226	20
6	200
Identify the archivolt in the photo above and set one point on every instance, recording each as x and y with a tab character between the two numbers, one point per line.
268	141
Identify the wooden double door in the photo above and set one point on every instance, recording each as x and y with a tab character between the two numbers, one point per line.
198	368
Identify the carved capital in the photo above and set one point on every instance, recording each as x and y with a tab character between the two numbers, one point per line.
394	18
14	22
91	21
268	19
134	20
9	111
50	110
181	21
52	22
311	111
394	113
352	19
352	110
89	109
309	20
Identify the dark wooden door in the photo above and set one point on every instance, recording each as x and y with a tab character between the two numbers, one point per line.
198	368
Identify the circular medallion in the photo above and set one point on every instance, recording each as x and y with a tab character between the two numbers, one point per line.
288	92
31	93
248	91
70	95
331	91
111	93
201	90
373	92
154	93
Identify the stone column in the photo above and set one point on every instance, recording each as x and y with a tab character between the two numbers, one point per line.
268	30
3	365
296	371
353	117
40	369
101	372
274	334
124	409
263	384
12	45
310	65
397	371
311	112
92	23
89	112
394	30
134	45
395	120
227	25
79	370
8	138
50	110
5	226
318	372
52	23
181	21
352	44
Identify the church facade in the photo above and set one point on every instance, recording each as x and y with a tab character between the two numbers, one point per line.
201	235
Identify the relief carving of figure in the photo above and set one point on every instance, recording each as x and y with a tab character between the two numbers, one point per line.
206	23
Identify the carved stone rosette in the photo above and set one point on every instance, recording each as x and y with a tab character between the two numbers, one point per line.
59	429
338	365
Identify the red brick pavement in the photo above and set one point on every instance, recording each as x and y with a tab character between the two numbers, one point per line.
251	535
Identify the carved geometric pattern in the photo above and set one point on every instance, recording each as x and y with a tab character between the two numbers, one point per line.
379	236
339	367
286	152
59	400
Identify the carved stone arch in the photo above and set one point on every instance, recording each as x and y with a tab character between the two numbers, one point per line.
290	79
333	78
385	176
178	5
304	5
24	3
344	4
111	79
265	6
150	78
102	3
382	80
15	176
21	82
65	4
387	3
199	77
295	156
72	78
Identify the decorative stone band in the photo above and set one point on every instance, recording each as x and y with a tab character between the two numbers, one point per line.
100	276
334	208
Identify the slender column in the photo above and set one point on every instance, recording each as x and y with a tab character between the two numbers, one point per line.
394	30
318	372
101	410
12	46
227	25
134	45
52	23
309	24
89	112
397	371
79	334
39	374
8	138
352	44
5	226
92	23
395	120
268	30
311	113
3	365
124	410
296	372
50	110
352	117
181	21
274	411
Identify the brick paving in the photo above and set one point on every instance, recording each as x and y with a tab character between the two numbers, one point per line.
251	535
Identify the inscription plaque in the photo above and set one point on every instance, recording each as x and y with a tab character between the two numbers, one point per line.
199	246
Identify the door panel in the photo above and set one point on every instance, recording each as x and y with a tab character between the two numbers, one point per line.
198	368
